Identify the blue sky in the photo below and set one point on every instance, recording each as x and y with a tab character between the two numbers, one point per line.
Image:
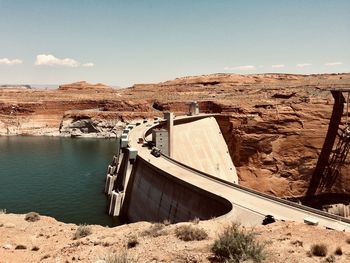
127	42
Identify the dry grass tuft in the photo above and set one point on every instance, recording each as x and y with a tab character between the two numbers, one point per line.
190	233
155	230
195	221
116	258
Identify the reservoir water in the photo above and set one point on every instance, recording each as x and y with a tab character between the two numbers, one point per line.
58	177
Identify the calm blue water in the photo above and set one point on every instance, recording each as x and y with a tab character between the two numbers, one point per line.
58	177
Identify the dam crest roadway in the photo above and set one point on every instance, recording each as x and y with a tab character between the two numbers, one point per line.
194	179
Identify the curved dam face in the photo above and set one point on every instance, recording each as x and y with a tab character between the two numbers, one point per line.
201	145
153	195
143	184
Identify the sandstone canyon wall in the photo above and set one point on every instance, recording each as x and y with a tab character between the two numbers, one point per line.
274	124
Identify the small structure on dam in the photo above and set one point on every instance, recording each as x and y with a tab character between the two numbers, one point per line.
194	108
160	138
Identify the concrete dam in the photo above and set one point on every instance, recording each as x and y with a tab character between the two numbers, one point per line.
180	169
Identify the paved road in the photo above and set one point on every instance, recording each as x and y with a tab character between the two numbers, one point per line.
248	206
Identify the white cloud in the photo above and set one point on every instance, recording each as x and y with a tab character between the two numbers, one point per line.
6	61
88	65
278	66
51	60
331	64
303	65
247	67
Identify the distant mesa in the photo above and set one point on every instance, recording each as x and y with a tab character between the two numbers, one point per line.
84	86
16	86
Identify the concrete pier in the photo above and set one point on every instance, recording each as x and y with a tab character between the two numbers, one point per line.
118	173
110	179
115	203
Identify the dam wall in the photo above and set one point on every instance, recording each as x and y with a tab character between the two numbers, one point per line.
154	195
144	184
140	191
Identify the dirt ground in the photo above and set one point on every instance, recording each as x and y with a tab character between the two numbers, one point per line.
48	240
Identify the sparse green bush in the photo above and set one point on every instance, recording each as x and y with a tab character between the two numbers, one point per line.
319	250
338	251
32	217
82	231
235	245
155	230
132	241
190	233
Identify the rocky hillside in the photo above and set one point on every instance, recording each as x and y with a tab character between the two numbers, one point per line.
274	124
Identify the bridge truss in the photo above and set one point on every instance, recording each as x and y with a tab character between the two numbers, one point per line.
332	159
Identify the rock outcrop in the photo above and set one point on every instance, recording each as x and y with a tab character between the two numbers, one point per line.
83	86
51	112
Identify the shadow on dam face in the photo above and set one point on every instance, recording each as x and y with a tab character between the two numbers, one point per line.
154	195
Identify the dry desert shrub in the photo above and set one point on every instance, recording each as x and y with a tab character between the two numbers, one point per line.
35	248
155	230
115	258
32	217
195	220
319	250
235	245
190	233
21	247
338	251
82	231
